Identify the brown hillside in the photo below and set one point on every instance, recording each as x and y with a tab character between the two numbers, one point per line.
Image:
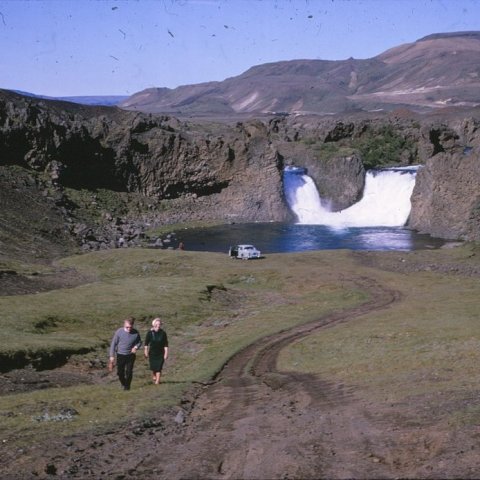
436	71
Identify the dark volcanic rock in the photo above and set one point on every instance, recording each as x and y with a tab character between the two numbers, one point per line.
446	197
32	226
340	179
233	172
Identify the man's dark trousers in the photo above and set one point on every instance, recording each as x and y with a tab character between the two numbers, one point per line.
125	369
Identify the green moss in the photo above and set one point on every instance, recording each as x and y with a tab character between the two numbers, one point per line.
253	299
378	147
330	150
427	342
382	147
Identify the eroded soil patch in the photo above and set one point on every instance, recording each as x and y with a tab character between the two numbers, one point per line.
14	283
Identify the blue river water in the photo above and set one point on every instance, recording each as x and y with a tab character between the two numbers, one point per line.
289	237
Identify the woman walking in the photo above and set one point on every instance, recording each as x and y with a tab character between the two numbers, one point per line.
156	349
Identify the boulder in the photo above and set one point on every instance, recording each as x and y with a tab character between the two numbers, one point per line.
339	180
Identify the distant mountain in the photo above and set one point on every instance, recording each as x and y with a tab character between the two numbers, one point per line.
436	71
104	100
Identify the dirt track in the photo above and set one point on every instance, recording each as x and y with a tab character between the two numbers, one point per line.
257	422
254	422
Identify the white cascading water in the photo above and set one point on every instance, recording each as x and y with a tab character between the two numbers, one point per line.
385	200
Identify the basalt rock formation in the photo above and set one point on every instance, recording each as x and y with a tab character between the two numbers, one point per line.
446	197
104	175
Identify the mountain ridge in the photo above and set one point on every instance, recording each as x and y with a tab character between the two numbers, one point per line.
433	72
95	100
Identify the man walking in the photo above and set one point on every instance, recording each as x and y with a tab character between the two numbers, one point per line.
125	343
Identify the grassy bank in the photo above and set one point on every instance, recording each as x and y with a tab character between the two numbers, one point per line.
212	306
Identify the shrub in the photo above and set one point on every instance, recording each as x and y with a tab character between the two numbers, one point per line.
382	147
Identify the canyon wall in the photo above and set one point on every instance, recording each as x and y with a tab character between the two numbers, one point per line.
214	171
177	171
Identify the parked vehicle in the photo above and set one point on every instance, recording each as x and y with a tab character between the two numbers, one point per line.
244	252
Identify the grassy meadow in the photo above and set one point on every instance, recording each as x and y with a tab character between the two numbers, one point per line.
213	306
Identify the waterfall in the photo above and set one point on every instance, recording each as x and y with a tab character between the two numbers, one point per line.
385	200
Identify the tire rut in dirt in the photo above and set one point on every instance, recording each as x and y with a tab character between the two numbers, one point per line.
265	352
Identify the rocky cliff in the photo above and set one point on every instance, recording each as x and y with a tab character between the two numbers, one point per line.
158	157
446	197
109	173
99	164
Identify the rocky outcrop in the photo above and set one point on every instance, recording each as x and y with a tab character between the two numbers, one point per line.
445	202
446	197
208	172
340	180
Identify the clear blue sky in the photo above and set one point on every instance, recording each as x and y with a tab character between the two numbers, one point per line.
92	47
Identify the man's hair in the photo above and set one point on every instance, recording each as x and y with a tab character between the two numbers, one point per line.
129	320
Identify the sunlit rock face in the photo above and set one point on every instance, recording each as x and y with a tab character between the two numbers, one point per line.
216	171
446	197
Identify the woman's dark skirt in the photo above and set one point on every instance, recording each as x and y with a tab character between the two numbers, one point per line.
156	363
